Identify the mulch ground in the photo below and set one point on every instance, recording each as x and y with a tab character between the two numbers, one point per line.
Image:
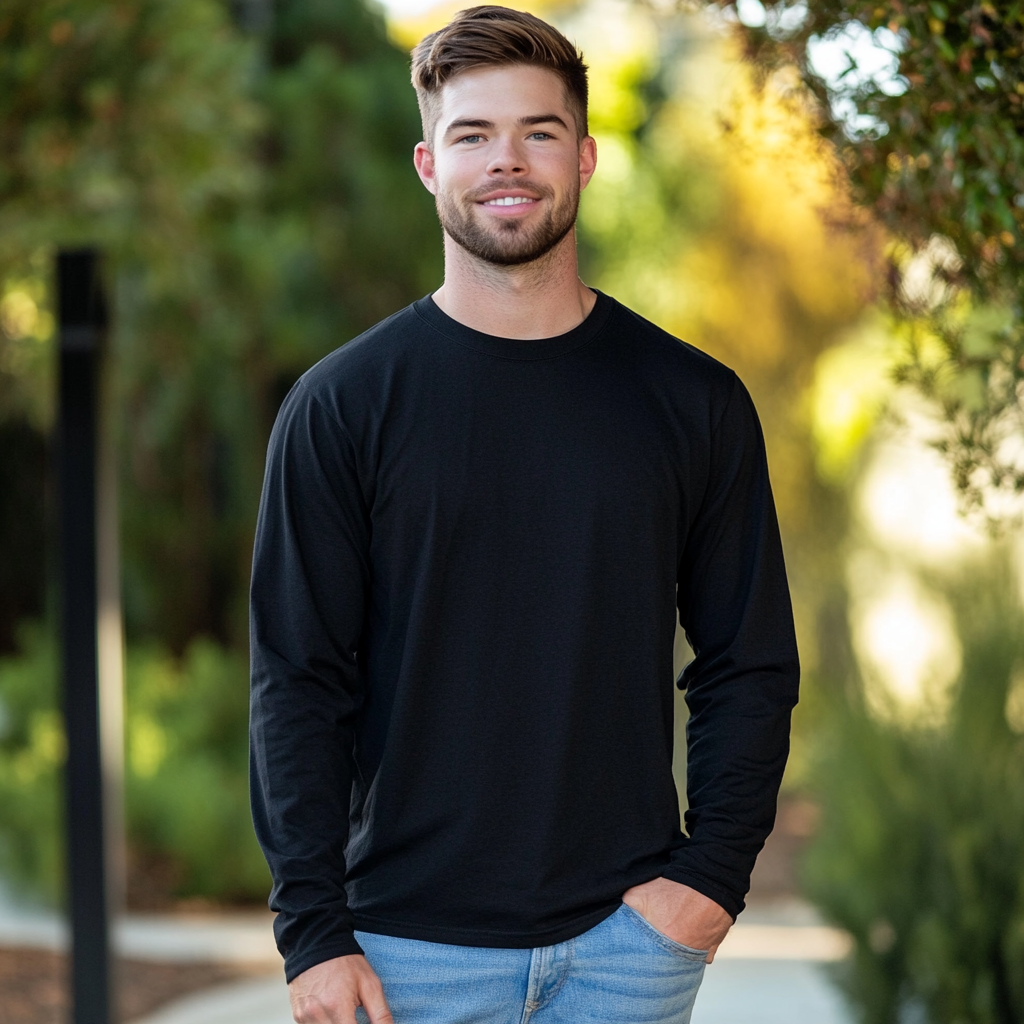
33	985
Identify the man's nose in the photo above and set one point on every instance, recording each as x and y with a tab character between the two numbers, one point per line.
507	158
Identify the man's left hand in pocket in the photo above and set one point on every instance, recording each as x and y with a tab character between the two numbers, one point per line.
681	913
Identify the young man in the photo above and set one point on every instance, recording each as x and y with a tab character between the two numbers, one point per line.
479	523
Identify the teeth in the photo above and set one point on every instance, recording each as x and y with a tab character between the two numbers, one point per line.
508	201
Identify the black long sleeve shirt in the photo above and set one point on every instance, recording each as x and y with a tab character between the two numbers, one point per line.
470	557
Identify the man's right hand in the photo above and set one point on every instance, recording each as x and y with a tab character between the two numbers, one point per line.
329	993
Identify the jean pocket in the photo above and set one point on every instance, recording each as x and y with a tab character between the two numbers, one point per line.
676	948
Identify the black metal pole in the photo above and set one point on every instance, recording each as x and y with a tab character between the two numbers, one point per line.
82	318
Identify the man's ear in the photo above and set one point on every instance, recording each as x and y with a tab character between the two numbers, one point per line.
423	160
588	160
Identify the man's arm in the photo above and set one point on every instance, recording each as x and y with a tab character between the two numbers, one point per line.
310	578
742	684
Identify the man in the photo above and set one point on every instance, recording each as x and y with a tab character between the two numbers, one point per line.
479	523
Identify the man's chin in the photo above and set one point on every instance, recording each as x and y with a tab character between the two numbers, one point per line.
514	258
507	248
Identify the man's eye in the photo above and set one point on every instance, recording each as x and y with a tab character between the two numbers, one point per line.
471	138
540	135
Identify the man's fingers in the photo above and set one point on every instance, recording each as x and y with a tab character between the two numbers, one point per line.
379	1015
372	997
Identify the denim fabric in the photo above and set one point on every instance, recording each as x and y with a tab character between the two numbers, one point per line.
622	971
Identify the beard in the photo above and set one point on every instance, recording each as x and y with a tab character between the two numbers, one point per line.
507	243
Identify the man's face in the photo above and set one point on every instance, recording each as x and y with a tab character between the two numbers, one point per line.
505	165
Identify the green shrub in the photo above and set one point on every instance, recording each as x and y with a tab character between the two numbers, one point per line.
920	853
31	757
186	795
186	776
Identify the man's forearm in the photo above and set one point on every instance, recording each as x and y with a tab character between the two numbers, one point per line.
300	784
733	778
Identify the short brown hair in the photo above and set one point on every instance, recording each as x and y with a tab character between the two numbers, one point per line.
491	36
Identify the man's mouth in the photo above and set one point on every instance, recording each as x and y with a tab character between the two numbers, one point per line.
509	201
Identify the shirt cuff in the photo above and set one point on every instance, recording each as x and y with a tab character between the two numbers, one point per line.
297	963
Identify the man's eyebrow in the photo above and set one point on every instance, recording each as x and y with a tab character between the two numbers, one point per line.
532	119
467	122
543	119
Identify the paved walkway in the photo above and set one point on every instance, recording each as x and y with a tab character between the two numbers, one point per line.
739	991
229	938
772	969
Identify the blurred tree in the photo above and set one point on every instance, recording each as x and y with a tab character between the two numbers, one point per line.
337	237
124	124
255	196
924	100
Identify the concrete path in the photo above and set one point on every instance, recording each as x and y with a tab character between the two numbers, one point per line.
742	986
229	938
736	991
767	992
246	936
258	1001
772	969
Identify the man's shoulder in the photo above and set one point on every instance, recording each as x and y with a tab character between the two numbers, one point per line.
367	355
667	353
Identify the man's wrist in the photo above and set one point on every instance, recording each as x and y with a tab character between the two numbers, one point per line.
296	964
727	900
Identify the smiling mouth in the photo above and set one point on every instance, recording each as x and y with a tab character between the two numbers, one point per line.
509	201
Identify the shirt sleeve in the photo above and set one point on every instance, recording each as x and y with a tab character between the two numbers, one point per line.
309	584
742	684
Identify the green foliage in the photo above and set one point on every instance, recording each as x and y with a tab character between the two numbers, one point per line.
939	160
32	753
920	854
187	784
946	155
117	114
254	197
188	827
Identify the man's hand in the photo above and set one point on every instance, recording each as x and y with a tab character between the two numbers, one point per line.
681	913
330	992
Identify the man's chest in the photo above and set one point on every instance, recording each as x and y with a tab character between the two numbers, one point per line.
530	462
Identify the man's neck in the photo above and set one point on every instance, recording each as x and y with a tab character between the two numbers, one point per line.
541	299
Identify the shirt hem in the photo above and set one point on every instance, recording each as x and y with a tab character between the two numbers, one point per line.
477	937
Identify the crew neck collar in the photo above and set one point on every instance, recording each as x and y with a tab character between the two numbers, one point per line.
516	348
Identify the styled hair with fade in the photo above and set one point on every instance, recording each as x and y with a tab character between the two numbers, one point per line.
490	36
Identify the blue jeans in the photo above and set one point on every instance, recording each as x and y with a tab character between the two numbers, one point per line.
622	971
